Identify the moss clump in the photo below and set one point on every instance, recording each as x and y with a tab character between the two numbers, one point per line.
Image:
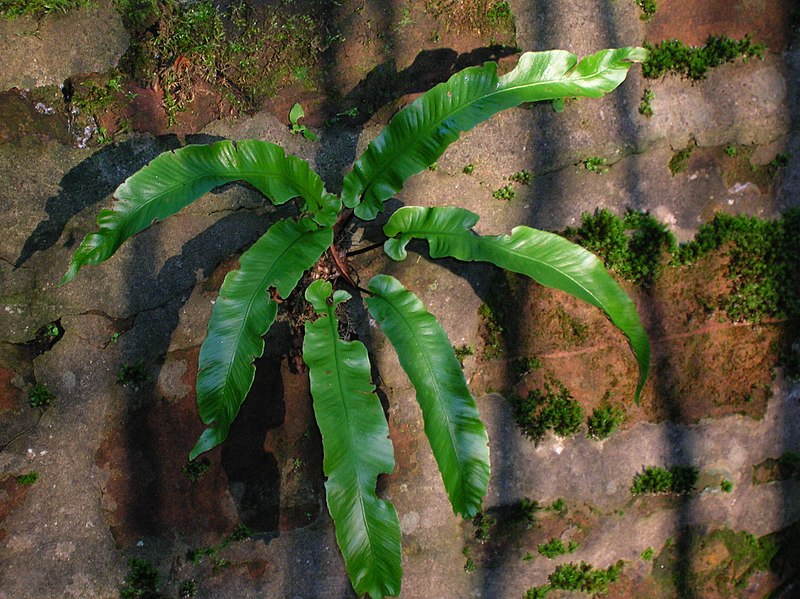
493	333
29	478
584	577
677	480
763	267
133	375
648	8
604	421
595	164
645	106
40	397
744	555
483	523
245	52
555	547
523	177
633	246
551	409
786	466
196	469
142	581
676	58
504	193
679	162
11	9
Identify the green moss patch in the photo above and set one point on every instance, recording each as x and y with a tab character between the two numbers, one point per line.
673	57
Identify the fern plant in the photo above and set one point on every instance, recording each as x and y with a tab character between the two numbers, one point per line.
353	425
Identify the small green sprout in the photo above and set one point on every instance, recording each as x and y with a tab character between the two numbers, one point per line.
604	421
555	547
731	150
524	177
40	397
680	160
196	469
188	589
469	565
726	486
645	106
595	164
483	523
468	169
133	375
28	478
648	8
647	554
295	114
504	193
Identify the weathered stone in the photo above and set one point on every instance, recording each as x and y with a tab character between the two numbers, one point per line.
48	51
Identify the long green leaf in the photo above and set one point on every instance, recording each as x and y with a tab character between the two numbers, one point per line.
174	180
454	429
355	440
242	315
418	135
545	257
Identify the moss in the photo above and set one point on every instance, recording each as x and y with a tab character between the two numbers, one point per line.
604	421
558	507
469	564
188	589
196	469
133	375
29	478
647	554
648	7
239	534
524	365
483	523
676	58
504	193
95	96
678	480
11	9
550	409
595	164
679	162
493	333
462	351
142	581
786	466
763	263
744	555
245	52
726	486
540	592
584	577
555	547
523	177
468	169
634	246
645	106
40	397
572	329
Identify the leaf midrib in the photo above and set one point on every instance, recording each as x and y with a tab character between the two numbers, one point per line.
259	289
239	176
482	241
334	332
438	394
461	107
